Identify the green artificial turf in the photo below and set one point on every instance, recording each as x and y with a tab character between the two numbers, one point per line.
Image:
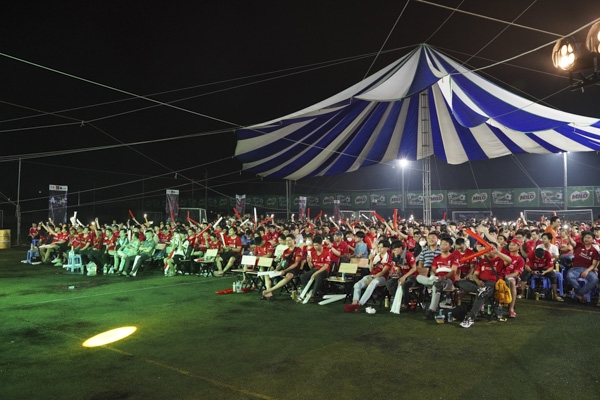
194	344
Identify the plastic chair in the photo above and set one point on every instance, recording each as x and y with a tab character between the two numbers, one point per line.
74	263
546	284
33	253
588	295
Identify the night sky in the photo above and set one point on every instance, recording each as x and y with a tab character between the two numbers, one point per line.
228	64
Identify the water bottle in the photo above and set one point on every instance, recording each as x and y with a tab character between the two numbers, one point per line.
489	309
449	317
343	276
238	287
500	311
387	302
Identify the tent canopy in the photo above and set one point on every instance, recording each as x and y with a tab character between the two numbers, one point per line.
379	120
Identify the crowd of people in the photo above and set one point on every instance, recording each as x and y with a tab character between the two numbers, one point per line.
462	257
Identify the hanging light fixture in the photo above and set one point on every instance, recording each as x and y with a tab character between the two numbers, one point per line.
578	60
592	42
566	54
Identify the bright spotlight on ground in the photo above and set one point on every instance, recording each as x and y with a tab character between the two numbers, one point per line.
109	336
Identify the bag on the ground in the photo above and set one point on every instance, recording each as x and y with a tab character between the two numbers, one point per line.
502	292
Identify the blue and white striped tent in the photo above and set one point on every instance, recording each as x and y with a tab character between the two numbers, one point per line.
378	120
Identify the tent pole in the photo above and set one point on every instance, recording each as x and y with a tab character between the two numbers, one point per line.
565	181
426	157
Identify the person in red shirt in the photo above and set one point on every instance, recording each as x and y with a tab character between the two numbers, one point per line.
514	264
58	245
443	270
34	233
216	244
232	250
380	267
340	251
289	267
540	264
465	268
484	280
319	261
585	264
405	268
533	241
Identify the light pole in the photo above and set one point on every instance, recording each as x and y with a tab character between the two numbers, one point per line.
402	163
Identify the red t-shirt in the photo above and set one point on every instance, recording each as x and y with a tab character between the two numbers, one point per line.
322	260
342	247
262	251
485	270
297	254
442	266
110	242
517	264
464	267
583	257
539	264
409	262
216	244
410	243
233	242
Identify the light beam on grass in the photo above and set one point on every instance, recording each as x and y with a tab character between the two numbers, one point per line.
109	336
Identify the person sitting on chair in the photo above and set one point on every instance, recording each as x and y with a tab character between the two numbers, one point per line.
319	261
379	267
406	266
289	267
540	264
232	250
444	267
489	269
585	262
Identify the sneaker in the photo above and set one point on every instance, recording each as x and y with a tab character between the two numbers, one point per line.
104	270
467	322
429	315
111	271
187	273
483	291
520	296
56	260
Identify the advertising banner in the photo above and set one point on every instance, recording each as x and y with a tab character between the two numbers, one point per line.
457	198
502	198
438	199
328	199
479	198
359	201
394	199
172	204
552	197
301	208
414	199
379	200
336	210
271	201
526	197
240	204
580	196
57	203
